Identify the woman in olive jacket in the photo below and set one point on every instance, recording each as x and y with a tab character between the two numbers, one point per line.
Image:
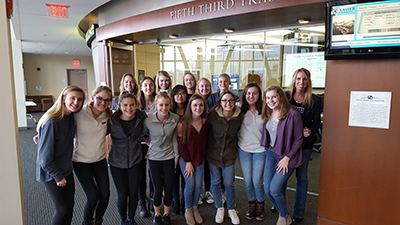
225	120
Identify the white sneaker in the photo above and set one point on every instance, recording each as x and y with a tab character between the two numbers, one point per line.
219	217
209	198
234	217
200	200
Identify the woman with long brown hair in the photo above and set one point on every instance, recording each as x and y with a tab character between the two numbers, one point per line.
282	136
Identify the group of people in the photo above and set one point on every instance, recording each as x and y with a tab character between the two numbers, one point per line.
186	134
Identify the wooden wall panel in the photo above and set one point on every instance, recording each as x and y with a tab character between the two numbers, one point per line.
359	179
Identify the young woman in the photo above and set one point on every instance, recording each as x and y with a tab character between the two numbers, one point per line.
179	102
192	142
189	81
282	136
251	154
204	88
163	154
163	82
146	103
127	129
55	148
225	120
129	84
89	159
309	105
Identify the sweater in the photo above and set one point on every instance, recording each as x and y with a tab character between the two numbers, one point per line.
163	144
90	141
289	137
195	149
222	137
55	148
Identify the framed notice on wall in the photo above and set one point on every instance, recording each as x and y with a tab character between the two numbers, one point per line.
370	109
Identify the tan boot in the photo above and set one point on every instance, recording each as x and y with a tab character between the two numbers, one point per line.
189	217
197	216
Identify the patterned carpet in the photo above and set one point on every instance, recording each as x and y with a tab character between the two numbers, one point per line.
39	208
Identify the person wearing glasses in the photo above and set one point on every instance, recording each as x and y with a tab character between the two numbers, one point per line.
89	159
225	121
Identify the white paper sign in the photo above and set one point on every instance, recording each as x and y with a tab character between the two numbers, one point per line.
370	109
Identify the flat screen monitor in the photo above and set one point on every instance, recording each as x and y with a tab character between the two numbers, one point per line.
362	29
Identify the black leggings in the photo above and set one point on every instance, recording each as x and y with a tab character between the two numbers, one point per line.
63	200
126	183
96	184
162	175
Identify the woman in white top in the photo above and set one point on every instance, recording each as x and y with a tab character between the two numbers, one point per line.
89	157
251	154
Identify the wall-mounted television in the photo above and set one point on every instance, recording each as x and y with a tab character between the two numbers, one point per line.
362	29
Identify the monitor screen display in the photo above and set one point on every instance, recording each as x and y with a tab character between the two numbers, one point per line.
363	30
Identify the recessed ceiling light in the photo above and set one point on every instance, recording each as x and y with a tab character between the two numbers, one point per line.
229	30
303	21
173	36
128	41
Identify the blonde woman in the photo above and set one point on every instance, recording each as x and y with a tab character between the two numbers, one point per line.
189	81
301	97
55	148
163	82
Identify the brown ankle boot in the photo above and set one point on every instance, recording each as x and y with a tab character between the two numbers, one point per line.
252	210
260	213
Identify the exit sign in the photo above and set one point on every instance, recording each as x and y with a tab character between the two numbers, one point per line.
57	11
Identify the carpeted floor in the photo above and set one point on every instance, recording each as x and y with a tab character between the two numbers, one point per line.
39	208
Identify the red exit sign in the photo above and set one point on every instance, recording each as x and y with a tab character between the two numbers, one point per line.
57	11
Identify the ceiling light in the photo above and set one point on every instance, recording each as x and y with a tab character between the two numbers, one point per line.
303	21
128	41
229	30
173	36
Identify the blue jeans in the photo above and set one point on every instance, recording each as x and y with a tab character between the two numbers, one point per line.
193	185
252	165
275	183
228	175
302	185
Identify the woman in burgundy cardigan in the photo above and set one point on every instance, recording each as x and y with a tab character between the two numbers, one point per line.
192	132
282	137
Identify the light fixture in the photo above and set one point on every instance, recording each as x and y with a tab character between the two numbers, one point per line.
303	20
128	41
229	30
173	36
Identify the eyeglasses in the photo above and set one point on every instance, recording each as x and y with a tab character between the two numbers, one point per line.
100	99
228	100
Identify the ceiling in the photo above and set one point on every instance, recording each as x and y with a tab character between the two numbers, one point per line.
40	34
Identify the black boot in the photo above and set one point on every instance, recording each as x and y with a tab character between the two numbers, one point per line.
252	210
260	213
151	207
143	210
175	208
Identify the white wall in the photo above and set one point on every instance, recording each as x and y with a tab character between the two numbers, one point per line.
52	76
11	194
19	80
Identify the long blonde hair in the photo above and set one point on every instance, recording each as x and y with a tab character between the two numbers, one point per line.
284	106
209	83
57	110
307	93
122	87
194	78
166	74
